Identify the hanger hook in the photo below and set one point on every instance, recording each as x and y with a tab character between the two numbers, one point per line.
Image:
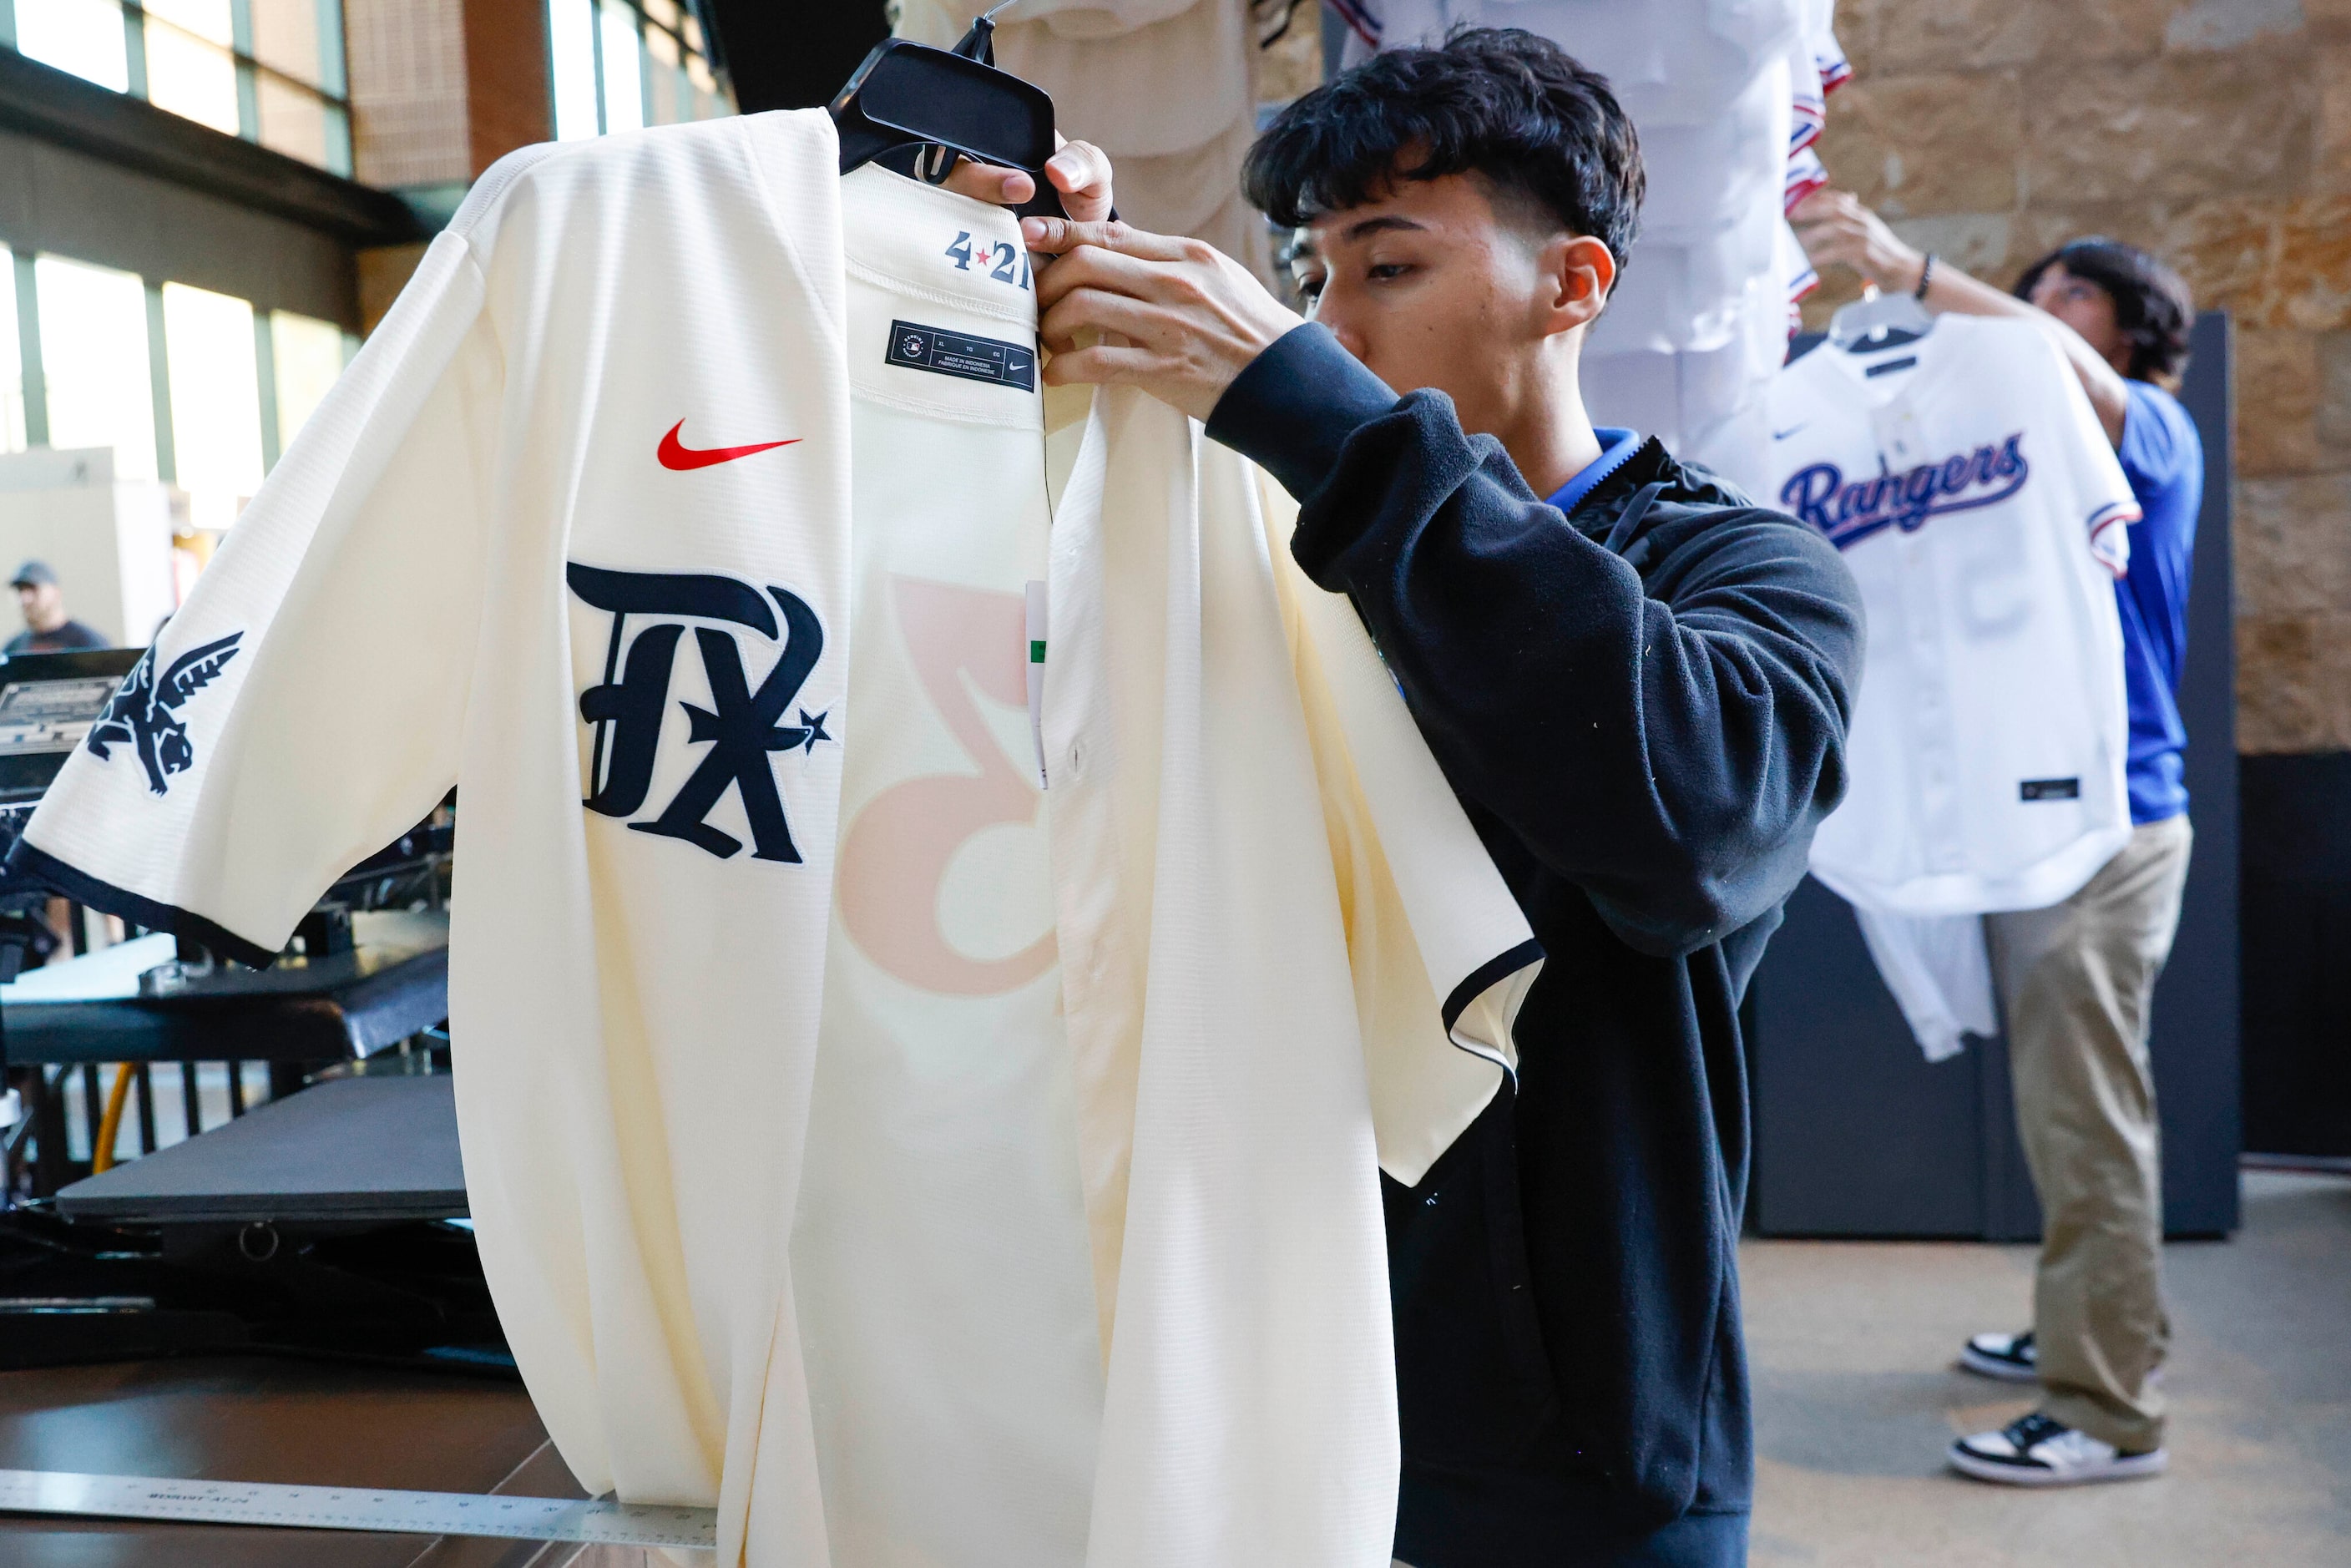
978	44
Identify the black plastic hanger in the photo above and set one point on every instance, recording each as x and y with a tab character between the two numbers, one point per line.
917	109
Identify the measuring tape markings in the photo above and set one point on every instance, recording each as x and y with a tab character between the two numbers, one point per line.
347	1508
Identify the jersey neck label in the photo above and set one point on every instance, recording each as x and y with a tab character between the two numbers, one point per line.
944	353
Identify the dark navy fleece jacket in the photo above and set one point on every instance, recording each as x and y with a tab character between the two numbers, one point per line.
1642	704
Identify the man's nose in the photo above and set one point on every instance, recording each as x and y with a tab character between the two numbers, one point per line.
1341	327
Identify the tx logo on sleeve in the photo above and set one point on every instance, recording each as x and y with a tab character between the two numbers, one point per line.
144	714
741	728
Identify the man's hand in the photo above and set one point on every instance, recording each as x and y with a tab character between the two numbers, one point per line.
1079	171
1836	229
1175	316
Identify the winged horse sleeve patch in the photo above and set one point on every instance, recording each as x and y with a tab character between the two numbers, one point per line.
144	714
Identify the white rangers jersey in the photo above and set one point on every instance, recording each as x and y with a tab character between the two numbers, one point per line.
911	1171
1979	505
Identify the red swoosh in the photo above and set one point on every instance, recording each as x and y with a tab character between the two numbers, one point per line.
674	454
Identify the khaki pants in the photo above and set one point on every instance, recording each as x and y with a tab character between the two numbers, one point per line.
2077	982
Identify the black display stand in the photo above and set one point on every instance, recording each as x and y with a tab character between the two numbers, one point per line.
1855	1134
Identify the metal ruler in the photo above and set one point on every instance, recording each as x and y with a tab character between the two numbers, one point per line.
351	1508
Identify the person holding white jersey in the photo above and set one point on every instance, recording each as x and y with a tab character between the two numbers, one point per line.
2077	979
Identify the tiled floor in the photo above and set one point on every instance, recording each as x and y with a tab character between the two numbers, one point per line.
1851	1344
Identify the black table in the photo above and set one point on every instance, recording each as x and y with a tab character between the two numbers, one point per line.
392	982
357	1150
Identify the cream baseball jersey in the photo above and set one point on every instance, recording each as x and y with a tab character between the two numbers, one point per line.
913	1162
1974	495
939	1256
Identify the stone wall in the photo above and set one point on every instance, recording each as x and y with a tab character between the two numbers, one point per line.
2216	133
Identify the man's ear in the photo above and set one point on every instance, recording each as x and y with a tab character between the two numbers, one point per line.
1579	271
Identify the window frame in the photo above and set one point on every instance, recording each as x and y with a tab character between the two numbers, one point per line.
33	378
331	91
689	54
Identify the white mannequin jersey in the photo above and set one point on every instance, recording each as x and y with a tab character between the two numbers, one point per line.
1974	495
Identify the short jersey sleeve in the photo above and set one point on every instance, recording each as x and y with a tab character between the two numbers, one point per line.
303	707
2095	489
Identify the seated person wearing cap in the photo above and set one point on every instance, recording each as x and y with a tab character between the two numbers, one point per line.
47	628
1636	680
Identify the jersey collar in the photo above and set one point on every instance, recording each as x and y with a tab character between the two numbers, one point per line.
1615	445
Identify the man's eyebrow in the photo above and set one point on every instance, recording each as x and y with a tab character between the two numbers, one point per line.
1369	227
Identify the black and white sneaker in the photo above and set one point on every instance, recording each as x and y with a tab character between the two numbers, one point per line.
2037	1451
2007	1357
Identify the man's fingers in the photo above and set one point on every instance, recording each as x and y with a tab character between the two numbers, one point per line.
1081	172
989	182
1104	364
1101	311
1090	266
1828	206
1058	237
1054	236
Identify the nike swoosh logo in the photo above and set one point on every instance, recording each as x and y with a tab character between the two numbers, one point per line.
1784	434
675	453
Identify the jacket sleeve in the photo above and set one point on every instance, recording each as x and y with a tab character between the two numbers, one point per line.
1665	737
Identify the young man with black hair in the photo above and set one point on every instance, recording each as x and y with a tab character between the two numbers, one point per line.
2077	980
1638	683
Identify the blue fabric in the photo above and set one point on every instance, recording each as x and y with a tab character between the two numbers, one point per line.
1615	445
2163	458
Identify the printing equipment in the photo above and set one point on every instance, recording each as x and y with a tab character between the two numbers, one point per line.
328	1222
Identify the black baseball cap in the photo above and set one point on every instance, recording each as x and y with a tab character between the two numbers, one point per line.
32	574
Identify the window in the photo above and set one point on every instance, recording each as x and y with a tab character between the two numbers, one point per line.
268	70
617	33
571	48
95	361
188	386
84	36
215	400
12	360
298	45
618	65
306	356
191	68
